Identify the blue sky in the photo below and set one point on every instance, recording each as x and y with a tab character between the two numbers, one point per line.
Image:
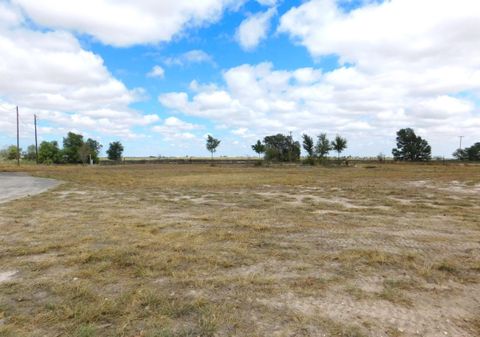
240	71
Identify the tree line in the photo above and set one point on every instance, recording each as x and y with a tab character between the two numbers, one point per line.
283	148
410	147
75	150
279	147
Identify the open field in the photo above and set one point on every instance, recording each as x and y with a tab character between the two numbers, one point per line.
192	250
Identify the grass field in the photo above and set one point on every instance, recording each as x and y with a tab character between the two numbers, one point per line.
191	250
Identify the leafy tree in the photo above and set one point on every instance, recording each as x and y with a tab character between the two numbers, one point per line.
10	153
259	148
281	148
411	147
339	144
308	145
323	146
470	153
212	144
31	153
94	149
71	147
115	151
49	153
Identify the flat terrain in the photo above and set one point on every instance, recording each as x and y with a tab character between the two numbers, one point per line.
190	250
15	186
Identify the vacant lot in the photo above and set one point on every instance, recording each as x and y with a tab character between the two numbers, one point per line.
157	251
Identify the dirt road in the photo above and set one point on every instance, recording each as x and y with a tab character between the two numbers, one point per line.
17	185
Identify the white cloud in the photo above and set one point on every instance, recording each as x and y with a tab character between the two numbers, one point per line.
157	71
50	74
254	29
391	35
403	62
125	23
192	56
9	16
177	129
269	3
255	101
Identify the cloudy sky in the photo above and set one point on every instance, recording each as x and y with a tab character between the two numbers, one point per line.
160	75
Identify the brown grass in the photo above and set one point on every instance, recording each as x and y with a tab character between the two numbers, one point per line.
173	250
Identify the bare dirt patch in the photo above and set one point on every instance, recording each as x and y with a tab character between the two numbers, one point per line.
6	276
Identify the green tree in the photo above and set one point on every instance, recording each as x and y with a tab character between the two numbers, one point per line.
411	147
339	144
212	144
259	148
281	148
308	145
31	153
49	153
471	153
323	146
10	153
71	147
94	148
115	151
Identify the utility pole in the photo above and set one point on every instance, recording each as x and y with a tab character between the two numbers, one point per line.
461	137
18	141
36	140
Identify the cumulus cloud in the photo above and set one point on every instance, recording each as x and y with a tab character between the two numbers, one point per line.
256	100
176	129
189	57
50	74
254	29
157	71
408	62
394	33
269	3
125	23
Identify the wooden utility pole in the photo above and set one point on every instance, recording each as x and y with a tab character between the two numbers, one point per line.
36	139
18	141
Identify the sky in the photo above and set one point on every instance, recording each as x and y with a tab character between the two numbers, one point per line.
160	75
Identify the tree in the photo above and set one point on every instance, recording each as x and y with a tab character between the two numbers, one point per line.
323	146
31	153
10	153
212	144
411	147
115	151
49	153
259	148
281	148
470	153
339	144
71	147
308	145
94	149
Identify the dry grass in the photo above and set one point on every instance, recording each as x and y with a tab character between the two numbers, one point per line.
193	250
